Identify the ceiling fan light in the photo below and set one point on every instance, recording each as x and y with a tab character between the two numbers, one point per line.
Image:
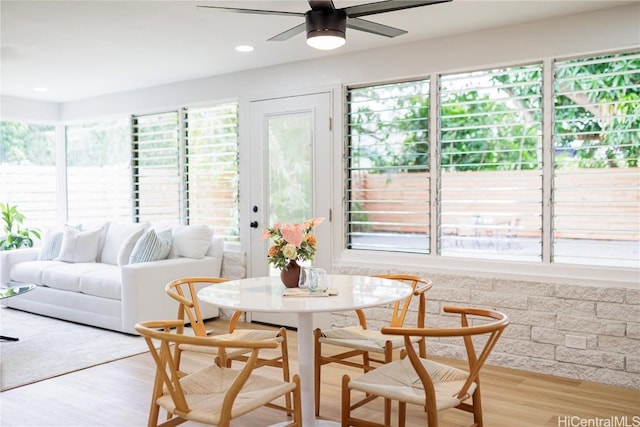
324	41
325	28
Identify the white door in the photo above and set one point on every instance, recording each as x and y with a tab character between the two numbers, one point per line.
290	179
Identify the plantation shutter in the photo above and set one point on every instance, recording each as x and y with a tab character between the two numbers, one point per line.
388	173
211	135
490	140
596	197
156	168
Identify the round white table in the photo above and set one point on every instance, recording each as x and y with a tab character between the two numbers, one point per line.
265	294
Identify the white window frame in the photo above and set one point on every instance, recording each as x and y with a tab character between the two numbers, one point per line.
543	272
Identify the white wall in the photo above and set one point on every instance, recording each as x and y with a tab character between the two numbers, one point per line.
18	109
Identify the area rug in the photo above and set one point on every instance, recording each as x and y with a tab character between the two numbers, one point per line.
49	347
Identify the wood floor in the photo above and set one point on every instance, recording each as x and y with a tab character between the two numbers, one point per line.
117	394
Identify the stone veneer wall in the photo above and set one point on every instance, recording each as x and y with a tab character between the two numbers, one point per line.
542	316
234	266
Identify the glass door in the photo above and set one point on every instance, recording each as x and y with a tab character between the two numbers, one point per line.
290	177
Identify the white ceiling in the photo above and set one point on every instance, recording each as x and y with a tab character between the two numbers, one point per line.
81	49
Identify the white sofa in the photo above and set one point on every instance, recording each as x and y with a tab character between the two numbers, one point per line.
105	284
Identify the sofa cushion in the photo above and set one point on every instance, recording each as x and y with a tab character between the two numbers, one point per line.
66	276
152	246
31	271
191	241
120	236
102	283
80	246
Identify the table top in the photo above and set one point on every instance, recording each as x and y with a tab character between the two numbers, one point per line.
264	294
15	291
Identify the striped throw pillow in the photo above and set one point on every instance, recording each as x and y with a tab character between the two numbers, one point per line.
151	246
50	246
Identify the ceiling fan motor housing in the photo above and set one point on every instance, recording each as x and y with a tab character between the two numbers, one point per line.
326	23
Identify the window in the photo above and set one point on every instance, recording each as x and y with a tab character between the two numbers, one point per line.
596	137
491	165
185	168
388	167
98	171
211	135
28	171
157	184
490	195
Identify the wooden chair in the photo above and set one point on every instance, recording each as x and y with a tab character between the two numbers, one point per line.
429	384
184	291
364	342
215	394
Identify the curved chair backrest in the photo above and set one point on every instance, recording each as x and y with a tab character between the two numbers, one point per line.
493	330
400	308
184	291
159	338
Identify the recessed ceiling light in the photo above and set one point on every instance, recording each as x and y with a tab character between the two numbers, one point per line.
40	89
244	48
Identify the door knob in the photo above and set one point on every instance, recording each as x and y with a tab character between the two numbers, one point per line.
254	224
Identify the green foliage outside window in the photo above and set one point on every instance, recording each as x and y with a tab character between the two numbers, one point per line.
604	110
25	143
597	114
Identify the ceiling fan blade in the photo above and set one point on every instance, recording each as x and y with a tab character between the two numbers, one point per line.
387	6
253	11
322	5
286	35
374	27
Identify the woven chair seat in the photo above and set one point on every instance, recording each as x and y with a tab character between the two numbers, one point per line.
237	335
370	345
205	391
362	339
399	381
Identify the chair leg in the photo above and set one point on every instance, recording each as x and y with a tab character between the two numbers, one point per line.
402	414
154	413
387	412
346	401
477	406
297	403
366	362
154	410
285	366
388	357
317	363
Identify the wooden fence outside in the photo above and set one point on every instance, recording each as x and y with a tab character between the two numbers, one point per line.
590	204
598	204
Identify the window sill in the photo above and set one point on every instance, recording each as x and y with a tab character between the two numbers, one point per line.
539	272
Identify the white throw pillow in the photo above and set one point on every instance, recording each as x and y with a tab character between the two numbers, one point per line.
118	235
127	246
151	246
80	246
191	241
50	246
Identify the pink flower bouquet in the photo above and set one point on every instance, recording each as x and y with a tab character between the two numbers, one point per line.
291	242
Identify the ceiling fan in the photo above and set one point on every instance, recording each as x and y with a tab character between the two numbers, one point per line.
326	26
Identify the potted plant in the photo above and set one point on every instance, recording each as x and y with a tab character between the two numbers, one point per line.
14	236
